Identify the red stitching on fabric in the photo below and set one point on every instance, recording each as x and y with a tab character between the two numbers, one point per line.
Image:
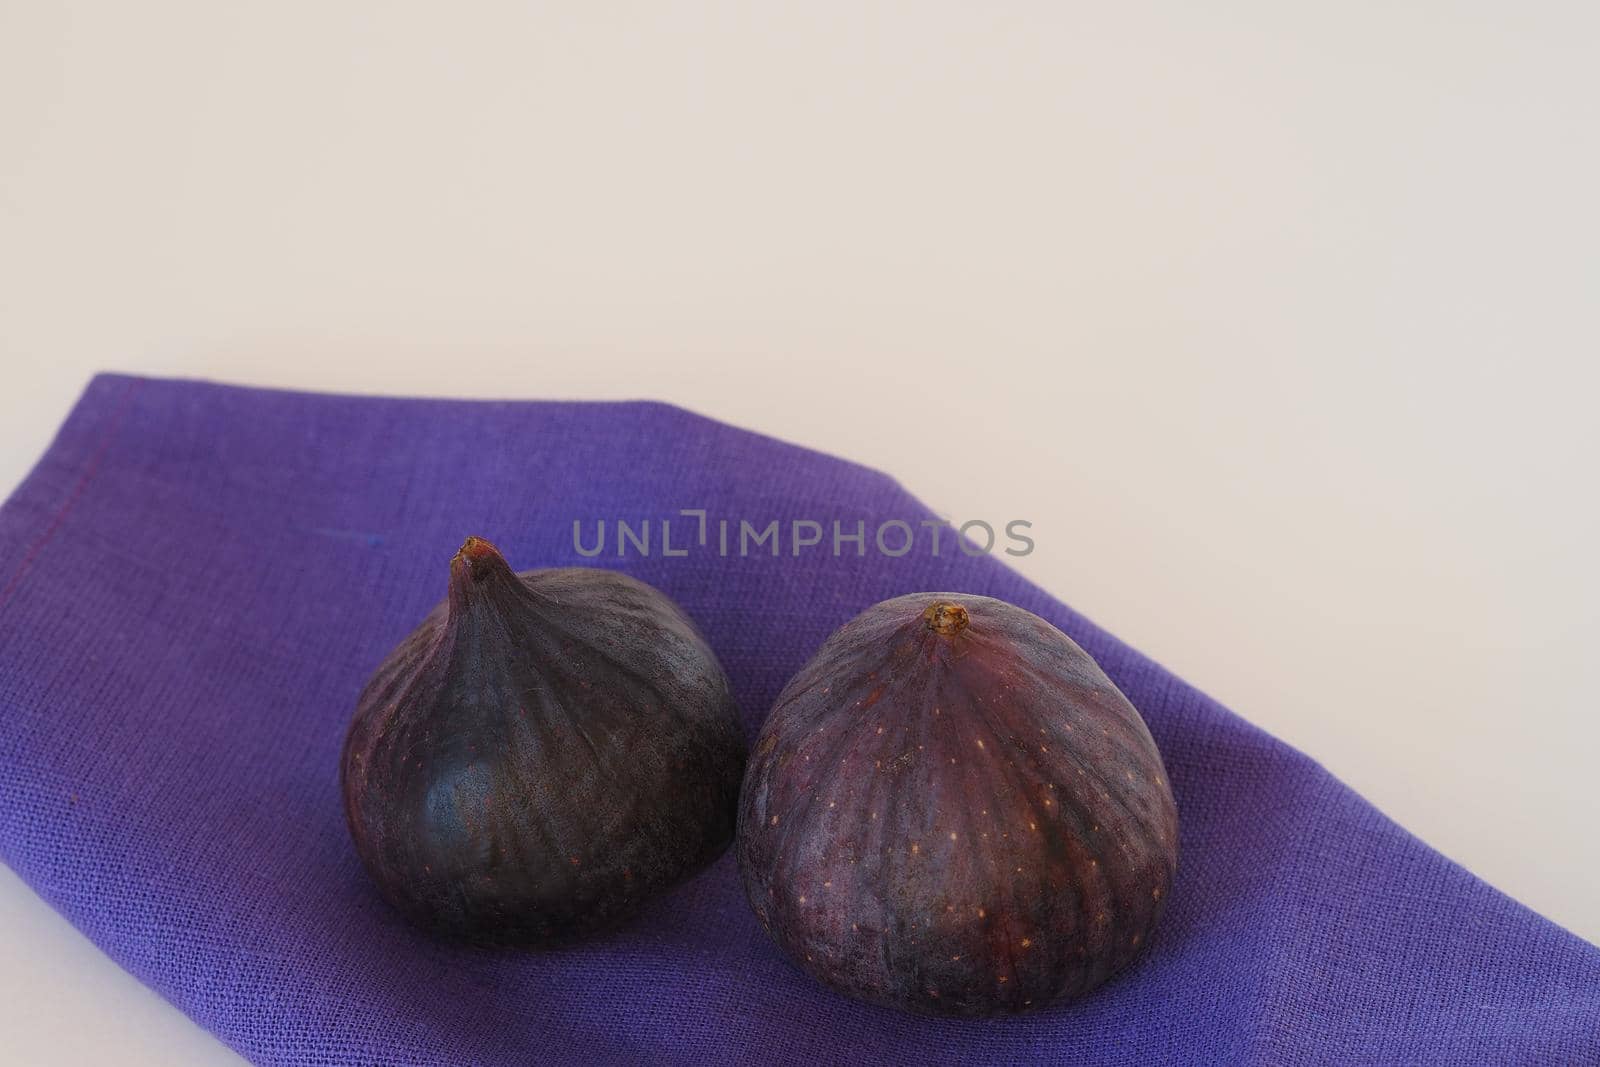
77	491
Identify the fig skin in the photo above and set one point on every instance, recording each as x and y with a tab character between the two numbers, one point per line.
952	810
543	754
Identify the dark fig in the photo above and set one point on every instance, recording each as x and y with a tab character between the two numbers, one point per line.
952	810
544	753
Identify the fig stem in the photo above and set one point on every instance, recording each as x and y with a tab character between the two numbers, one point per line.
946	618
476	566
477	558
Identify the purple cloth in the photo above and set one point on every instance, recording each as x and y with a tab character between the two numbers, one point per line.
196	580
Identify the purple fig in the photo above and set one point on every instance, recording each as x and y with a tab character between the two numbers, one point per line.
952	810
543	754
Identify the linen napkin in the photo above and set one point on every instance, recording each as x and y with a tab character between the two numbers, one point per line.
196	580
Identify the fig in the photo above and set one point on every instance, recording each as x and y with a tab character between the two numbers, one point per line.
952	810
543	754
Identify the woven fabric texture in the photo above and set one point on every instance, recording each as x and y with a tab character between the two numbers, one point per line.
196	580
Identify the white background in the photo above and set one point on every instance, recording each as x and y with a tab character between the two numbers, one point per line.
1279	321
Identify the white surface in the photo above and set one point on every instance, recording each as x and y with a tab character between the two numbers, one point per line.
1278	320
